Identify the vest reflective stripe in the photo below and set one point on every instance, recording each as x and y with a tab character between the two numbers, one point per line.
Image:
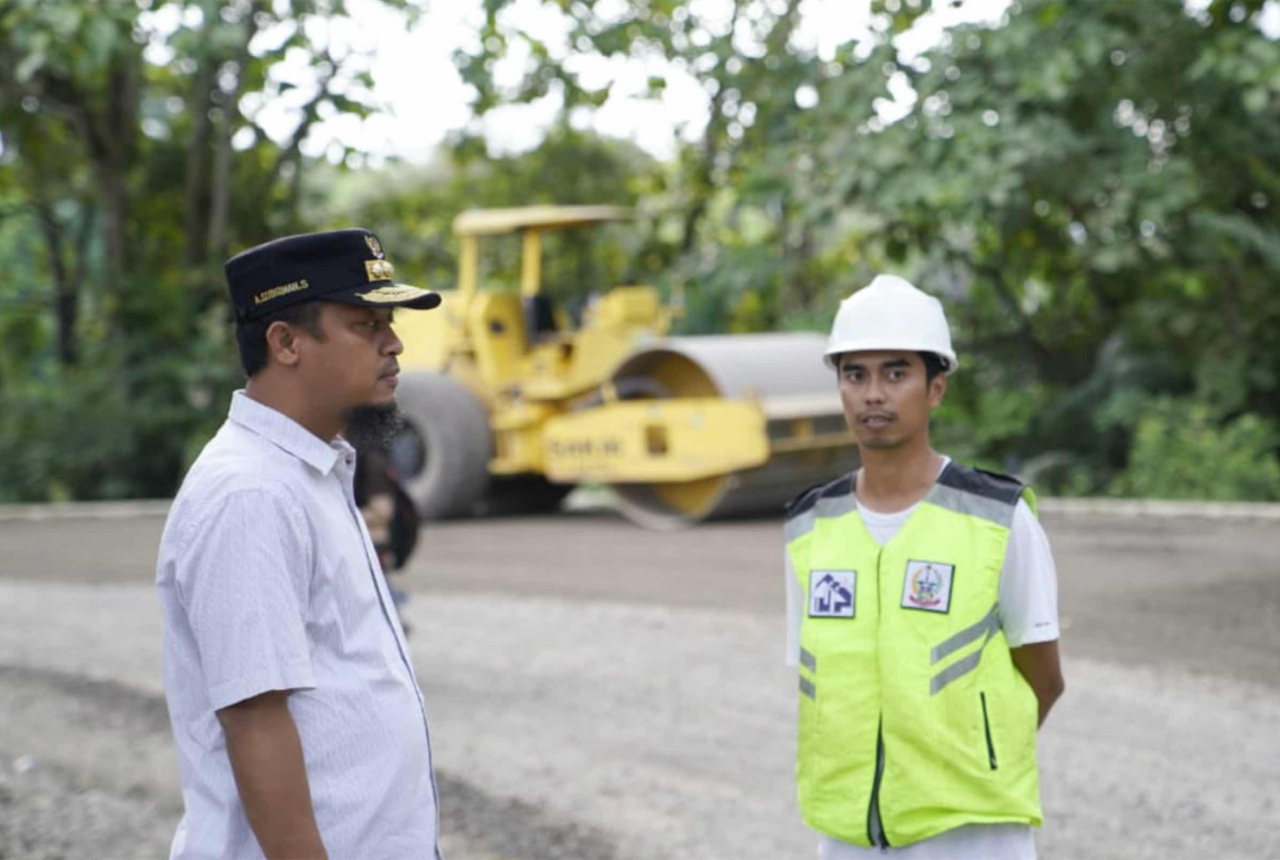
921	667
989	625
808	661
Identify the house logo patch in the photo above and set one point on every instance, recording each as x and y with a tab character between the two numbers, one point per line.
831	593
927	586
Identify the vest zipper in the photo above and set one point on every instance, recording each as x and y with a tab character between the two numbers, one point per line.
875	827
986	725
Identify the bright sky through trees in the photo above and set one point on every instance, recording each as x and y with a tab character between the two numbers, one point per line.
424	98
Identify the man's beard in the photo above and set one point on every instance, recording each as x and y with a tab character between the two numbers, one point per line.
373	426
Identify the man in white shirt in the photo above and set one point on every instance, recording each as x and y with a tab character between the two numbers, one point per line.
300	727
891	349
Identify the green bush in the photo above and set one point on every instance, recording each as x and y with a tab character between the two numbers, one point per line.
1181	450
102	431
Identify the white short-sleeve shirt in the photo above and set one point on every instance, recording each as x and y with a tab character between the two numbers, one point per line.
268	581
1028	614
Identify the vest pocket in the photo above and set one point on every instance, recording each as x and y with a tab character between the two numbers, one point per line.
986	726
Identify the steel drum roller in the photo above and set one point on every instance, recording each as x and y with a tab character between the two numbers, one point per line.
785	376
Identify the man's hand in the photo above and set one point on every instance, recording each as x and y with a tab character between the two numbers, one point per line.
1039	664
271	776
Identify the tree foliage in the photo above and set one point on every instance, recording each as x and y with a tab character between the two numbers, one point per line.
415	214
131	165
1091	186
1181	451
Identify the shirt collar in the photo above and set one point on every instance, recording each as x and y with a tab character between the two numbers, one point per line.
282	431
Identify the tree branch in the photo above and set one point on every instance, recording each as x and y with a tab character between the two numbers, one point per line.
65	297
1046	366
715	125
221	185
309	116
198	180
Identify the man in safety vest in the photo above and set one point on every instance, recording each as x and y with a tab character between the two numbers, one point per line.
922	610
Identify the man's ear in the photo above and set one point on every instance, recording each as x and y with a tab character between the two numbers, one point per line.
937	390
282	343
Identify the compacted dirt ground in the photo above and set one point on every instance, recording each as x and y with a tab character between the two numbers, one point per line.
598	691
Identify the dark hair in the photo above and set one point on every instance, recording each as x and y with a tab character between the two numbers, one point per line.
933	365
251	335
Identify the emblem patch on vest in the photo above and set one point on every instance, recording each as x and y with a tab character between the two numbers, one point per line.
927	586
831	593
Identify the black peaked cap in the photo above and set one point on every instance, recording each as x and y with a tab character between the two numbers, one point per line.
344	266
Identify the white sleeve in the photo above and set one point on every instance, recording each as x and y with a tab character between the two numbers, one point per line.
1028	583
244	582
795	612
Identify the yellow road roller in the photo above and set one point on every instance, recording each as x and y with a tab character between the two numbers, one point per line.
510	401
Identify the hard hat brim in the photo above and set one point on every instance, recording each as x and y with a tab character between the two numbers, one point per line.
950	362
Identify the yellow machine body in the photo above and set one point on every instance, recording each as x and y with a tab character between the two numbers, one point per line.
655	440
681	428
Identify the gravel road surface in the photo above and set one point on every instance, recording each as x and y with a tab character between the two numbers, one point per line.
597	691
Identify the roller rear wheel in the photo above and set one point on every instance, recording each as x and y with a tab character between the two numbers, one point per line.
442	454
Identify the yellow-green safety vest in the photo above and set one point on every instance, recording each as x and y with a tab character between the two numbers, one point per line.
913	718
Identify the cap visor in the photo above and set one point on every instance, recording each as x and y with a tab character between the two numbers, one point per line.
385	295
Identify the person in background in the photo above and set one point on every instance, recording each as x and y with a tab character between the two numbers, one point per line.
389	514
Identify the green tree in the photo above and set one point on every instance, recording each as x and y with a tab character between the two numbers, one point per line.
1182	451
414	212
728	205
1090	185
1093	187
132	163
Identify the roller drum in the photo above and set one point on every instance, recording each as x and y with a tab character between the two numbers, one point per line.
785	374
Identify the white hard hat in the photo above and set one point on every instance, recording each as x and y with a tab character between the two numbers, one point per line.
890	313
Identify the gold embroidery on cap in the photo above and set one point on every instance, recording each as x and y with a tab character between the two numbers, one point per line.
379	270
393	293
374	245
282	290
